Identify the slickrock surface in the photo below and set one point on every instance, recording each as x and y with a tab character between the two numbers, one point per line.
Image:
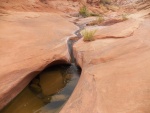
119	30
115	71
115	67
39	5
29	42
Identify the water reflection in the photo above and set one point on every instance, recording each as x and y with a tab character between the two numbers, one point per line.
46	93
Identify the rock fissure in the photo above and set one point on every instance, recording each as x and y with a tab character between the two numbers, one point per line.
120	68
115	75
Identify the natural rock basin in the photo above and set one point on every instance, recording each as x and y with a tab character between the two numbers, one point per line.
47	92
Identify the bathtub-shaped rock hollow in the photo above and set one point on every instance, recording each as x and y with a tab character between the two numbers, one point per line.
47	92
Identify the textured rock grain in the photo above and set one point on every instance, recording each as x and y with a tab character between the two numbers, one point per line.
28	43
115	72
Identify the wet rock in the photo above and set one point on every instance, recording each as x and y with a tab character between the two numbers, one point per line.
35	85
47	99
59	98
36	88
36	39
26	102
35	81
115	71
68	77
51	82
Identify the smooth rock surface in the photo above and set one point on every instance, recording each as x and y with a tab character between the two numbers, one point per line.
118	30
28	43
115	67
51	82
115	72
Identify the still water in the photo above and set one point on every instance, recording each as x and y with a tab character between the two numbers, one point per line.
47	92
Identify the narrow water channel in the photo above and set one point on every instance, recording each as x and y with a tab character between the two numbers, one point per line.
47	92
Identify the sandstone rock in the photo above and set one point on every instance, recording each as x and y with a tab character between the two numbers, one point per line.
35	88
26	102
115	73
40	5
29	42
60	97
140	14
115	67
119	30
85	20
112	21
51	82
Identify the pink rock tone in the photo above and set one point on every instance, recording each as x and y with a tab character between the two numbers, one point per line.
115	71
115	66
39	5
119	30
29	42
